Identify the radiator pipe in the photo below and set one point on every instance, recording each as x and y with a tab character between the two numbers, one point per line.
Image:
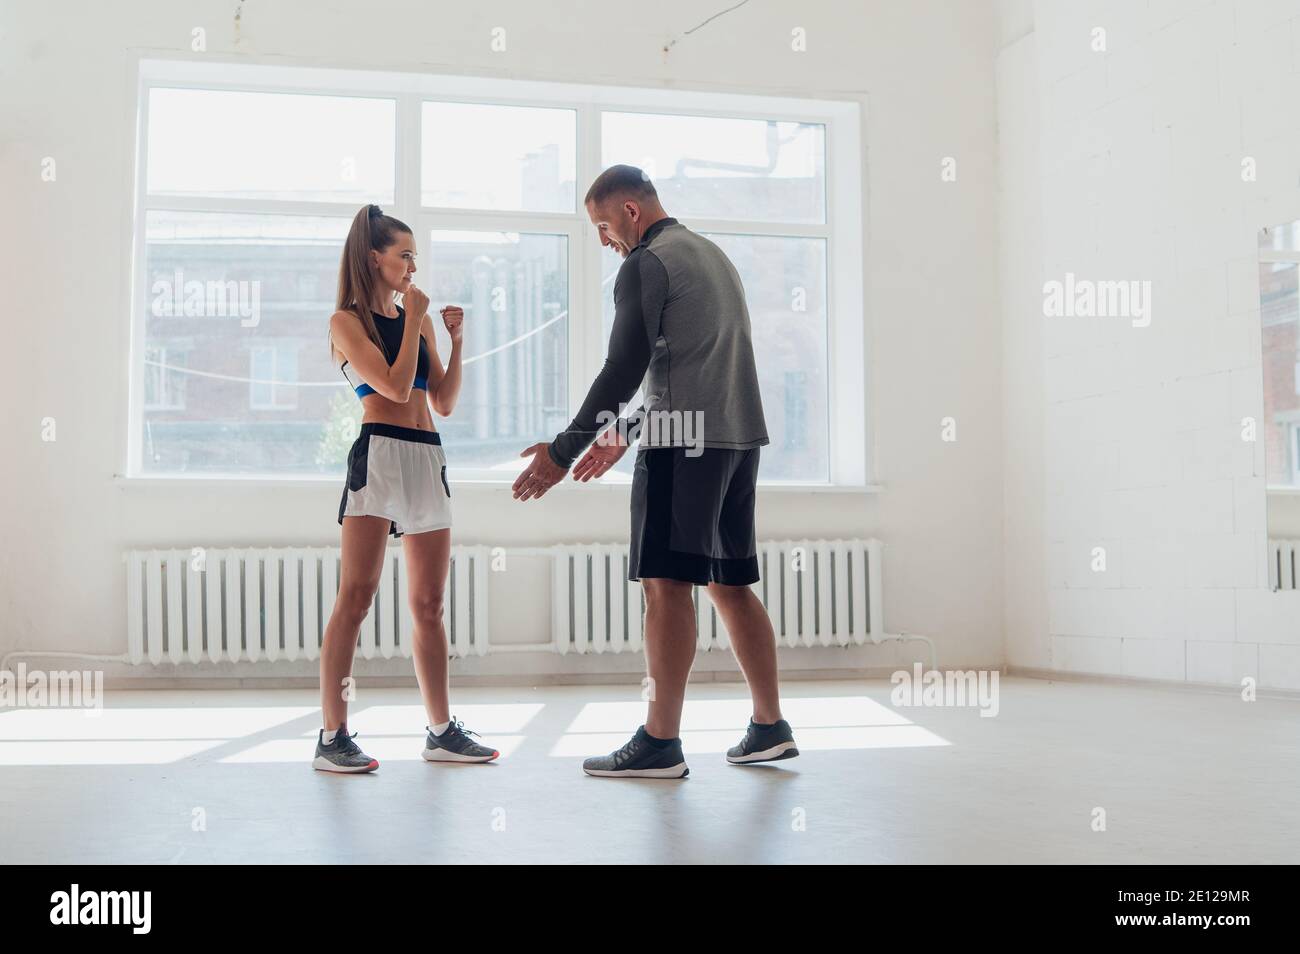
904	637
4	663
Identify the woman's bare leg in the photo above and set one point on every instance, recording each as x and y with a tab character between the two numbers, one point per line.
364	541
428	557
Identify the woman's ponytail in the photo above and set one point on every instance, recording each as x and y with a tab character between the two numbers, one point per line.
371	230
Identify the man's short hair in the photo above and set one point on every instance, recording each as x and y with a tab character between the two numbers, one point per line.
619	182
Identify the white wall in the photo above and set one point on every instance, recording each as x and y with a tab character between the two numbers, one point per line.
1138	166
1024	595
923	69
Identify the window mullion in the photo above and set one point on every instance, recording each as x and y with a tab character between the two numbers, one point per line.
407	157
223	204
586	347
474	221
138	370
767	229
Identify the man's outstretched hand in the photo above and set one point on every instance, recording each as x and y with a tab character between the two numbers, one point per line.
601	456
540	475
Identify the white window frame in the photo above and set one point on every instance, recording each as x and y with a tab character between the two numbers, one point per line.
847	438
1284	257
1293	443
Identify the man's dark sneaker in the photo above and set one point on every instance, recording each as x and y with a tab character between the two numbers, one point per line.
455	745
640	758
764	743
341	755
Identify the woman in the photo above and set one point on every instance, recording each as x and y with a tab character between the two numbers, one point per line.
396	481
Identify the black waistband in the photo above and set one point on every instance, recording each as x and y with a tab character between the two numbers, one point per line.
401	433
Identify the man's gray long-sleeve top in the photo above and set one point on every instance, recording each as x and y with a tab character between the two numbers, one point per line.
681	323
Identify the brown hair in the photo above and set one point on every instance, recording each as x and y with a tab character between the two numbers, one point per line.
620	181
371	231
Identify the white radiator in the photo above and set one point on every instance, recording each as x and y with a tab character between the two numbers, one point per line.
251	604
267	604
817	593
1283	568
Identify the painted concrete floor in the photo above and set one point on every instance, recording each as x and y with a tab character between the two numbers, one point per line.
213	777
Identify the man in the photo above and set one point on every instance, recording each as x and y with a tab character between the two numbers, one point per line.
680	323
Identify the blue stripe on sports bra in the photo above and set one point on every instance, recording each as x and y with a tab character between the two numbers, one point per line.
419	382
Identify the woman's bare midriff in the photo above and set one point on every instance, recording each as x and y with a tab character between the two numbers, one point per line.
377	409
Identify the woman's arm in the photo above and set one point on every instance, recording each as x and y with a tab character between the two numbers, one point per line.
352	342
444	384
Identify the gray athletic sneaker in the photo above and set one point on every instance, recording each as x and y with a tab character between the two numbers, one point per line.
341	755
764	743
455	745
640	757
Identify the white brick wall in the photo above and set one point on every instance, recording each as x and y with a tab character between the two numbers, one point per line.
1279	667
1221	662
1139	153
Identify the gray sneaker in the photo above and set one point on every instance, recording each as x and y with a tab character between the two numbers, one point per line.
640	758
455	745
341	755
764	743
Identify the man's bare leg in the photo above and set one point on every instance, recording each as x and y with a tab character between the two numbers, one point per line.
754	642
670	642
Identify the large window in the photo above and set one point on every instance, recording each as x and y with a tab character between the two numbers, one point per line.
1279	312
248	177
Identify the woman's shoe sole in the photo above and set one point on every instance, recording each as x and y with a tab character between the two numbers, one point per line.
322	764
442	755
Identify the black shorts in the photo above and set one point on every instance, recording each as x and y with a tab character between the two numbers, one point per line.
693	517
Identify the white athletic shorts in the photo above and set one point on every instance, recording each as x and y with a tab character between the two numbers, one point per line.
399	473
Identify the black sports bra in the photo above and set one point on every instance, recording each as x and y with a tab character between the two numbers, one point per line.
390	331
